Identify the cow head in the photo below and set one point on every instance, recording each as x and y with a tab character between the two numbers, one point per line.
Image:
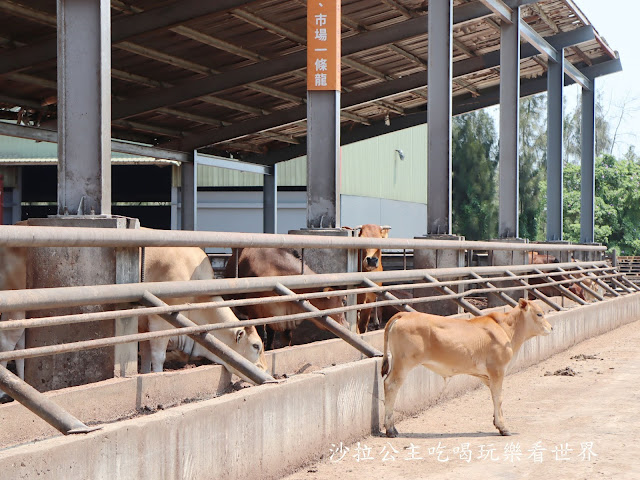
534	319
371	257
249	344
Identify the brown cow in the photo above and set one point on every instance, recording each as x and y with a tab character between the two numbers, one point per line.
370	260
482	347
268	262
536	258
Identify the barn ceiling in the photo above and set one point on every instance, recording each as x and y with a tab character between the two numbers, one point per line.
228	77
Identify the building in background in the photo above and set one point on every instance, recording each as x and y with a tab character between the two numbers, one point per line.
383	181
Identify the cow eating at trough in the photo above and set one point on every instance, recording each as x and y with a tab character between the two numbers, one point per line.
167	264
161	264
481	347
370	260
268	262
536	258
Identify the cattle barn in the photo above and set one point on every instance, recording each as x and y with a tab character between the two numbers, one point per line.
205	119
191	81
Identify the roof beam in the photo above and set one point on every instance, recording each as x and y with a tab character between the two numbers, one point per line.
195	88
554	54
468	103
534	38
350	99
498	7
215	161
577	76
122	28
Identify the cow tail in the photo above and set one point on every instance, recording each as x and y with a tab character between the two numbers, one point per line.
385	359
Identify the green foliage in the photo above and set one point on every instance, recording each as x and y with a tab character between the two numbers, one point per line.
474	202
571	138
617	203
532	176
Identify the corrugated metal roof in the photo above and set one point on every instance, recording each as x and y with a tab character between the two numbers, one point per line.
222	46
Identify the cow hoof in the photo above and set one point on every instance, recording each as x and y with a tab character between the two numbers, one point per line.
392	432
505	433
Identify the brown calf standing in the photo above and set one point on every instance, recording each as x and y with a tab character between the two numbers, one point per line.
482	347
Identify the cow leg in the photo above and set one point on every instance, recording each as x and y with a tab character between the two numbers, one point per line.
287	337
392	384
20	361
375	322
495	385
270	336
363	320
158	347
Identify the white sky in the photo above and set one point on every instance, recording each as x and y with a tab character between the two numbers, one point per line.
617	22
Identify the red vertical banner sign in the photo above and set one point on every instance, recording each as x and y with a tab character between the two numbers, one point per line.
323	44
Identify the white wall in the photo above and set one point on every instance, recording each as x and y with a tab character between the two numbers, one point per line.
241	211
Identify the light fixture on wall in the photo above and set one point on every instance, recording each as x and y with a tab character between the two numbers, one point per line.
400	153
387	121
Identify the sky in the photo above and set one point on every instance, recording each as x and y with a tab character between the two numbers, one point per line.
617	22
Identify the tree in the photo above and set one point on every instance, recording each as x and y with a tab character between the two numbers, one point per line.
474	202
617	203
572	128
533	160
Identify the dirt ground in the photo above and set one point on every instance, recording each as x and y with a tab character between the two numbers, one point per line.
585	426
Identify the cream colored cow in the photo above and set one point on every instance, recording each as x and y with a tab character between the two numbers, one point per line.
13	276
166	264
482	347
161	264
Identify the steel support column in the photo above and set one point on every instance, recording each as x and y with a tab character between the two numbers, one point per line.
555	84
189	195
270	201
439	77
84	93
323	159
509	123
587	165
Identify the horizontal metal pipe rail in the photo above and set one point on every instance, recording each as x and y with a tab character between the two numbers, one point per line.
106	342
184	307
44	298
27	236
136	310
40	351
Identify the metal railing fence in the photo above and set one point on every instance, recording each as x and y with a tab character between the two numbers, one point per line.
132	300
